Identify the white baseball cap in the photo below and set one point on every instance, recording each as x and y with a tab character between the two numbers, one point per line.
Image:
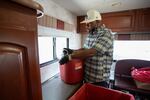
92	15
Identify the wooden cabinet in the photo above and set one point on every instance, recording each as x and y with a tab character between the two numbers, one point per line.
81	28
143	16
124	21
119	21
116	21
19	66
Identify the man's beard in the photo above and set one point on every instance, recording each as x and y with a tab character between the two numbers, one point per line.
92	30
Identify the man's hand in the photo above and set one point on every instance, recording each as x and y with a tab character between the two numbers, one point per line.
64	59
67	51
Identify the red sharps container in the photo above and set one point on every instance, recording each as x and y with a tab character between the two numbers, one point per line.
72	72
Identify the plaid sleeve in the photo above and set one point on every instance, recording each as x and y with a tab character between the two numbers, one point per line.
103	43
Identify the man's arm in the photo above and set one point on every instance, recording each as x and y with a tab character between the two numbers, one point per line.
77	54
83	53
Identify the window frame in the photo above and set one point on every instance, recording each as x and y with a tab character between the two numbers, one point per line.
55	58
134	49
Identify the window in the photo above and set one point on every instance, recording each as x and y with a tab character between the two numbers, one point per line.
46	51
131	50
61	42
50	48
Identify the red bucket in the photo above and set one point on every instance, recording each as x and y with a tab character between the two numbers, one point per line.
72	72
92	92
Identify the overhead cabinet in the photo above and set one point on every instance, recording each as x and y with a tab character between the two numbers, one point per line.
119	21
81	28
143	16
124	21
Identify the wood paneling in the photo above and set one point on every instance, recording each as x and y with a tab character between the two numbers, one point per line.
16	22
51	22
60	24
13	72
81	28
119	21
19	66
144	20
116	21
125	21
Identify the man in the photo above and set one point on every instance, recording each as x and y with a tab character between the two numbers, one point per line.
97	51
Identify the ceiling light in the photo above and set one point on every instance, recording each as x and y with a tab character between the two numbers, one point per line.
116	4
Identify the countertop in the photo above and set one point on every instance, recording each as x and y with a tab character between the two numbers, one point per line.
56	89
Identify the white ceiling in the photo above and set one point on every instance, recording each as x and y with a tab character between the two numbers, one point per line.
80	7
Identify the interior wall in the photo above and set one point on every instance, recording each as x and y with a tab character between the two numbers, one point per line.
58	12
74	38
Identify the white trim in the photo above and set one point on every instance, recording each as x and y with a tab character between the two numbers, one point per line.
46	31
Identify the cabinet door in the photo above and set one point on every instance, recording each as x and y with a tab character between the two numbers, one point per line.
144	20
19	67
119	21
81	28
13	72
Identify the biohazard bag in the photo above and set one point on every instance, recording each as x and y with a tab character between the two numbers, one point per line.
142	77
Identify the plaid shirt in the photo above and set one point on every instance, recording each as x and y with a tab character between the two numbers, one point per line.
97	67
